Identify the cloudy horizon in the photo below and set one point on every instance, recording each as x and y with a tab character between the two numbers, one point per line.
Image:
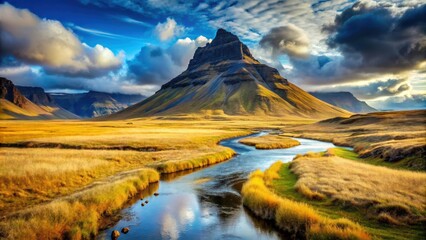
373	49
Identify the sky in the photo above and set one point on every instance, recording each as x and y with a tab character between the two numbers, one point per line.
374	49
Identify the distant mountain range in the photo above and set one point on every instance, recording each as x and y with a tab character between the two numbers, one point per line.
15	105
224	78
95	104
345	100
19	102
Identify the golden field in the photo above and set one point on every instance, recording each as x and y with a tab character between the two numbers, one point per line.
270	142
396	196
321	196
397	138
51	168
57	168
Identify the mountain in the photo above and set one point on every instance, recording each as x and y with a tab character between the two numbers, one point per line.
95	104
224	78
14	104
345	100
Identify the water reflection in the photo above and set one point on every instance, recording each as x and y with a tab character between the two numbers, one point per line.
206	204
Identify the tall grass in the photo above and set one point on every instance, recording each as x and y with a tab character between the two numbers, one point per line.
295	218
77	216
172	166
390	195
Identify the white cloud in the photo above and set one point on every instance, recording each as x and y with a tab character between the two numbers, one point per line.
48	43
168	29
154	65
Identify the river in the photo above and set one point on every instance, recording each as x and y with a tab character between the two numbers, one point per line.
206	204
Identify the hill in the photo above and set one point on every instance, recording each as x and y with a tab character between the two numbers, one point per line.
345	100
224	78
14	104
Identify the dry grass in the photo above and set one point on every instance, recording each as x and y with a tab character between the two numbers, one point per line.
270	142
171	166
77	216
295	218
37	175
392	195
45	161
396	137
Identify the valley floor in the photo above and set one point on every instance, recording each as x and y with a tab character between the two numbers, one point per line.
52	170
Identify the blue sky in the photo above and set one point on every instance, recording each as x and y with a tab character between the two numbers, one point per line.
375	49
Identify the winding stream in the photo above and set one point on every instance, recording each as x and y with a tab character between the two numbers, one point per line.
206	204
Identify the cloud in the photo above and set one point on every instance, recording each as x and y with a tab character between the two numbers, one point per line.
374	39
154	65
169	29
133	21
401	102
367	41
32	40
376	89
289	40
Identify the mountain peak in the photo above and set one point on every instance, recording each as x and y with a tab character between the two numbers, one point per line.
224	37
224	47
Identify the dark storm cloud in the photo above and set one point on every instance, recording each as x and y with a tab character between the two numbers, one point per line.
374	39
289	40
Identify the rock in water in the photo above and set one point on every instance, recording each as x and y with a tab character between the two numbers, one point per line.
115	234
125	230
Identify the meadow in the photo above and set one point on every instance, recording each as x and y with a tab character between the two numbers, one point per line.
54	168
396	138
318	190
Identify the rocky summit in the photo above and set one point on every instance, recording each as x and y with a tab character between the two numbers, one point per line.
224	78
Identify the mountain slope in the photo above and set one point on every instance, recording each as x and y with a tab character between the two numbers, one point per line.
345	100
14	105
38	96
224	78
95	104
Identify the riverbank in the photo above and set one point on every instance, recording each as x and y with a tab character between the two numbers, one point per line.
386	203
77	216
295	218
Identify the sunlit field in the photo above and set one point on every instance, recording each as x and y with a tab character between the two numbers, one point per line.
44	163
396	138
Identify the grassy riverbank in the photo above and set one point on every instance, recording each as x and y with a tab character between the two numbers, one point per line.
77	216
386	203
295	218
